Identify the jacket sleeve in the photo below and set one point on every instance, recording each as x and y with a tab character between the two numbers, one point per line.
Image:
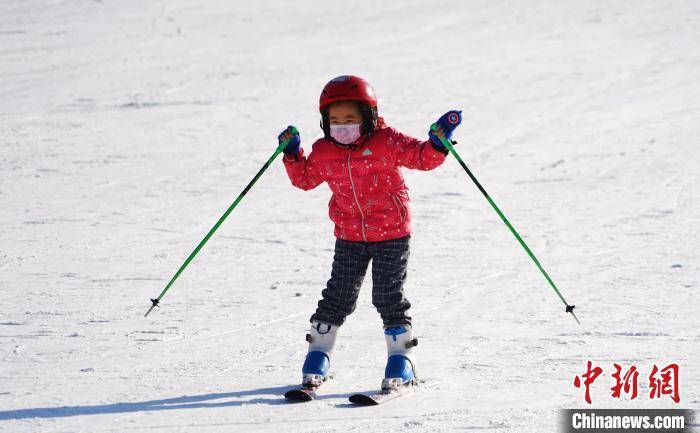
413	153
302	170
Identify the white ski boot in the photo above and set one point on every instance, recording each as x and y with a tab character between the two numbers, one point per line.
401	365
321	340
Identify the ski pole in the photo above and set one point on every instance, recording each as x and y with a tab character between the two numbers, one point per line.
155	302
448	144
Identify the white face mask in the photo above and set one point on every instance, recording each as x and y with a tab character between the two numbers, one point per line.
346	134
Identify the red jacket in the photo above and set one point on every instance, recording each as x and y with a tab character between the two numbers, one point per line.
370	198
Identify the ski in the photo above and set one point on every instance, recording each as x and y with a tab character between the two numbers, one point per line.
305	393
384	395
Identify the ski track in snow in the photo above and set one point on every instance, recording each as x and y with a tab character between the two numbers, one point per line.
127	128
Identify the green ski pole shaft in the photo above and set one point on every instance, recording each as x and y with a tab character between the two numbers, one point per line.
155	302
450	147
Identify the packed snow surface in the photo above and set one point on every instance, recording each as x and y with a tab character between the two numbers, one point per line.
128	127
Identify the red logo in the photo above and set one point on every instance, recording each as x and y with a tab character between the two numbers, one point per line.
662	382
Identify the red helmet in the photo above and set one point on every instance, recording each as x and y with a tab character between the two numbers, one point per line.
347	88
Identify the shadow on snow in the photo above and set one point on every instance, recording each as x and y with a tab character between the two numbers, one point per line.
185	402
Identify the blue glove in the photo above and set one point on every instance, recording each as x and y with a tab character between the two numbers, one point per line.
446	125
292	148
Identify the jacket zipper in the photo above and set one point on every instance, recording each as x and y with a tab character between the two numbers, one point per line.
352	185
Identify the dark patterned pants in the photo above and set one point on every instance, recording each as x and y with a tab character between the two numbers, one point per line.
350	261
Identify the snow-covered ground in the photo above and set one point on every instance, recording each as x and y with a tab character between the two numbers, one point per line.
128	127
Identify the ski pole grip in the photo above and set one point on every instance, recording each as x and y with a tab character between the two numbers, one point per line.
294	131
445	142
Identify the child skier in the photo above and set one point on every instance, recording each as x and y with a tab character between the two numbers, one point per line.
359	158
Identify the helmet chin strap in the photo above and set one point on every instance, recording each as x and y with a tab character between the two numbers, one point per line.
349	146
